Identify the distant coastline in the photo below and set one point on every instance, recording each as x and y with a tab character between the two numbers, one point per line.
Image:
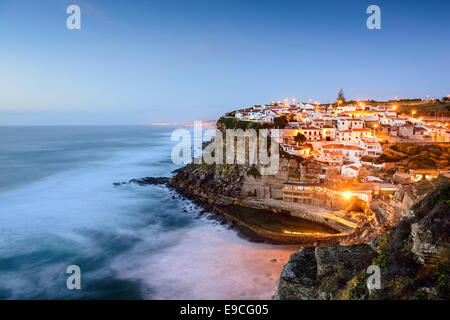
207	123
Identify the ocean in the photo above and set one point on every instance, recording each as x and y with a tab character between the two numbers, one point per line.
59	207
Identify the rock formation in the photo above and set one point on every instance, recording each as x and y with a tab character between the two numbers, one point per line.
413	258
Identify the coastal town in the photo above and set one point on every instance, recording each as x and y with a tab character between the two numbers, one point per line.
358	183
346	140
349	164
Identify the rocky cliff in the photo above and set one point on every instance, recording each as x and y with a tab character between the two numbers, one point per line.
214	183
413	258
390	211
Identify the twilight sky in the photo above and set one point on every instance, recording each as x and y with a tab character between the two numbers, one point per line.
136	62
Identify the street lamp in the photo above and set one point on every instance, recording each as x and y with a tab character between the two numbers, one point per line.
413	113
374	129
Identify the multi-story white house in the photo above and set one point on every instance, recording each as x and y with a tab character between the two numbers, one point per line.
371	147
318	123
349	123
312	133
329	133
353	135
437	133
342	123
333	158
397	121
350	170
349	153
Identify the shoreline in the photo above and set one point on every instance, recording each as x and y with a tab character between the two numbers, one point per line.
328	232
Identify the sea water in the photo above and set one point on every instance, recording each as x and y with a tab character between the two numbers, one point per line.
59	207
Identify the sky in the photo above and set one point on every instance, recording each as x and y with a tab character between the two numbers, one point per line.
138	62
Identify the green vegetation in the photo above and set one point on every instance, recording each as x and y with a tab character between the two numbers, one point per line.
420	295
442	195
289	156
443	280
280	122
368	159
210	167
341	96
233	123
300	138
381	259
226	169
434	108
415	156
360	288
253	171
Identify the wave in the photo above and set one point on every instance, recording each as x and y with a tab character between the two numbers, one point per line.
131	242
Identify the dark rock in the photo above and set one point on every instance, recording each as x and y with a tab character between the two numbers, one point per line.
411	256
146	181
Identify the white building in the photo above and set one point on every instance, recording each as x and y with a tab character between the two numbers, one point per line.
306	106
350	170
312	133
350	153
350	123
346	108
296	150
354	135
371	147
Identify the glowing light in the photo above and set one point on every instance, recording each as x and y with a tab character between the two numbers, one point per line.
394	107
347	195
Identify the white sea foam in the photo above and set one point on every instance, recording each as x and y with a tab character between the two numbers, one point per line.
209	262
132	233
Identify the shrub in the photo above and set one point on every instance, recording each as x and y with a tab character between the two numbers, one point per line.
443	280
253	171
280	122
381	259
